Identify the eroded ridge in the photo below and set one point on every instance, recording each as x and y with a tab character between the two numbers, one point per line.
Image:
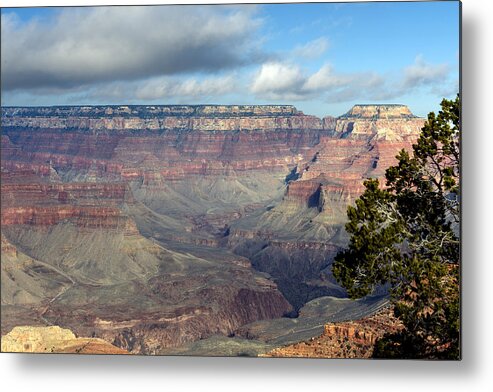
153	227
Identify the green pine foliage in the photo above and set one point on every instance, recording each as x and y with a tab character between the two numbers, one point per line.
406	235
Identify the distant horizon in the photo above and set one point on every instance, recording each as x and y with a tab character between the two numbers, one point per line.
319	57
209	104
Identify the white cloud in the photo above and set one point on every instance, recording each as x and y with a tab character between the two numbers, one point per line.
325	78
84	46
288	81
278	81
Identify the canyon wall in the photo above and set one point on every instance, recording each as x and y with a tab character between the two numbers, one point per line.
177	118
167	224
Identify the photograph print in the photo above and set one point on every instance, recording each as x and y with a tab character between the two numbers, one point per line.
252	180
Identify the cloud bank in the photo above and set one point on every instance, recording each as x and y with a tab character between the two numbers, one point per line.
194	54
80	46
288	81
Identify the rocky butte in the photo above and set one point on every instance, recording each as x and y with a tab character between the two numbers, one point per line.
54	340
155	227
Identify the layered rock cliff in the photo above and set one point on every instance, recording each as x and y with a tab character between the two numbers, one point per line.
177	118
387	122
79	259
155	226
91	270
319	189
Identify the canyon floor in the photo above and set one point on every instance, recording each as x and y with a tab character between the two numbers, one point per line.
186	230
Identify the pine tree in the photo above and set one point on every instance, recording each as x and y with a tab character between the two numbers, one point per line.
406	235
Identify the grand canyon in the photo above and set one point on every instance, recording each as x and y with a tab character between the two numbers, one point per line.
188	229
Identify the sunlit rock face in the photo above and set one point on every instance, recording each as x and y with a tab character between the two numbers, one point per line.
389	111
53	339
380	122
197	118
155	226
160	143
349	339
369	138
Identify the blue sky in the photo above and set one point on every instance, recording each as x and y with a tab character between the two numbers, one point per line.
323	58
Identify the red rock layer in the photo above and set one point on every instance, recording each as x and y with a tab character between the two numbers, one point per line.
349	339
14	194
155	144
48	216
28	199
304	192
171	155
370	138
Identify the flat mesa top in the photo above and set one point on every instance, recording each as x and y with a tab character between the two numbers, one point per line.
153	112
384	111
150	110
